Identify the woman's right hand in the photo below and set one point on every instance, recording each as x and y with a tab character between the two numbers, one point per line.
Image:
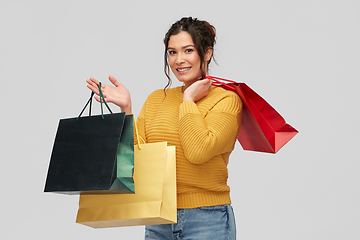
118	95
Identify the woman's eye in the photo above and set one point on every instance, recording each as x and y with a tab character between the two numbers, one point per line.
189	50
172	52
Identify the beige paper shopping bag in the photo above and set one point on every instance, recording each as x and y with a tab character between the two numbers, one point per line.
154	201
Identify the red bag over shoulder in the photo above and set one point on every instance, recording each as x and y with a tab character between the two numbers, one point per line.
262	128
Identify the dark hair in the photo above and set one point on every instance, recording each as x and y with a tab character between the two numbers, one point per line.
203	35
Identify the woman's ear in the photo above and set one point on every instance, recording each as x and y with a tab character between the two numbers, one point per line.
208	54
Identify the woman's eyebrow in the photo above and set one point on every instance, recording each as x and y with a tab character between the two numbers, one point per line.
188	46
182	47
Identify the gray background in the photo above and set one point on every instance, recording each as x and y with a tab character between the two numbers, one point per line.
301	56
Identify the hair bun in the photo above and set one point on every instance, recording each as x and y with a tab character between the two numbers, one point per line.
212	30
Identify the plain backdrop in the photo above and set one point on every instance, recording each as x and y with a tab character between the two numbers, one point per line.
301	56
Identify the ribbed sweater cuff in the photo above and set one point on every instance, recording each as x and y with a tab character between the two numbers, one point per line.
202	199
187	107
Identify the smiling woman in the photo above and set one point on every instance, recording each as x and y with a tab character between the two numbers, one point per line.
201	121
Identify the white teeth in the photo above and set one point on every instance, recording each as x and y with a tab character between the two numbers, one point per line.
183	69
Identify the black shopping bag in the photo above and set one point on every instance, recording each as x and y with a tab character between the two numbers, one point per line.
93	154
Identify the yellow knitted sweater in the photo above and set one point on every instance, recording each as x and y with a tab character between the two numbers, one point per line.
204	134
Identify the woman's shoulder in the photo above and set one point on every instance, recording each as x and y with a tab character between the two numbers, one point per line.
224	100
219	92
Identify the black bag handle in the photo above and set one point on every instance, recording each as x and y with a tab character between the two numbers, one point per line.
101	101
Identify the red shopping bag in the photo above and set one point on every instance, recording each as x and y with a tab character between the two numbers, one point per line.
262	129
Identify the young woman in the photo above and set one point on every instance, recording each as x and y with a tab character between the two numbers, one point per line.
202	121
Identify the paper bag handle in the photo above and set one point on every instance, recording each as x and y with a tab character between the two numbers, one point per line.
101	101
216	79
137	134
217	83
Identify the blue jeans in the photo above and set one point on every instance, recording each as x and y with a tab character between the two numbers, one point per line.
204	223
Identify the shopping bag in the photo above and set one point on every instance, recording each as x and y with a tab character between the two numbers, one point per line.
154	201
262	128
93	154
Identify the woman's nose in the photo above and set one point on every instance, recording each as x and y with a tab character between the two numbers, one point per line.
179	59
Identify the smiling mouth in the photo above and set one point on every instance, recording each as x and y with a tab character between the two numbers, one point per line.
183	69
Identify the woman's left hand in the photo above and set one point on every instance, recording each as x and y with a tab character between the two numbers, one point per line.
197	90
116	94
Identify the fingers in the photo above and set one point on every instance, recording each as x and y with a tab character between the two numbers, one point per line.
94	89
207	81
97	98
204	83
92	81
93	85
114	81
208	84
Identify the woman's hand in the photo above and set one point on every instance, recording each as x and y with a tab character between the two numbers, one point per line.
118	95
197	90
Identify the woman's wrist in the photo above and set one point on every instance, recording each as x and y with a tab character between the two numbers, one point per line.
187	98
127	110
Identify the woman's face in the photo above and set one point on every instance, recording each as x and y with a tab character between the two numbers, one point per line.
183	58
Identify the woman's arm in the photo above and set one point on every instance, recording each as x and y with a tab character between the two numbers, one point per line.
202	137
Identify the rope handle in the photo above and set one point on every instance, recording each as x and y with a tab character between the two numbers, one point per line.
102	99
218	83
216	79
